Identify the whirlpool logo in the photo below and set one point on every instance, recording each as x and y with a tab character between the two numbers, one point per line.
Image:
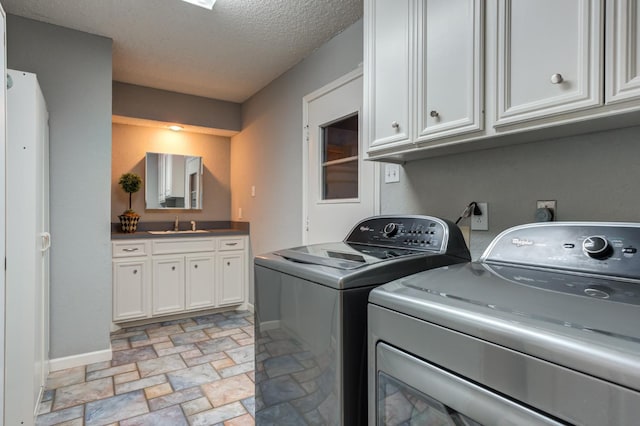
365	229
521	243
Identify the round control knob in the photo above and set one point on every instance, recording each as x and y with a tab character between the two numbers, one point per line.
390	229
596	247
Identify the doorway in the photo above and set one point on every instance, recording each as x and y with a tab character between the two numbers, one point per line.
340	187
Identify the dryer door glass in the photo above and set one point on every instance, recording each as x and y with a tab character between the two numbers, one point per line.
400	404
412	391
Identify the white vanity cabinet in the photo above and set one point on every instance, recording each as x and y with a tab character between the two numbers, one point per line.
162	276
168	284
232	269
423	70
549	58
200	273
131	279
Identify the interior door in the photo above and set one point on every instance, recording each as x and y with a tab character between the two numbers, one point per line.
341	188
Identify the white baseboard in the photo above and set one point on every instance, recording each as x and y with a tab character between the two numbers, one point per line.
58	364
249	307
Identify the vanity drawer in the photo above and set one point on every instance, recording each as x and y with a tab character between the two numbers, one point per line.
129	248
189	245
232	243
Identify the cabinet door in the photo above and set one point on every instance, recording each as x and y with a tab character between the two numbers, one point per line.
200	281
548	55
231	282
623	50
168	284
449	68
130	286
388	41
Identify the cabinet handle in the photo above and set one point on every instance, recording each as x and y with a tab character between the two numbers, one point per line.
556	79
195	266
231	244
228	263
135	271
395	124
434	114
129	250
173	268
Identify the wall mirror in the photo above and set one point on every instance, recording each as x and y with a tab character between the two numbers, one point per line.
173	181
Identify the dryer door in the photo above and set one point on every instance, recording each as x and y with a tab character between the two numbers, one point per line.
410	391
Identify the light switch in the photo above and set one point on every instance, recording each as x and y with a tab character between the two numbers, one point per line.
391	173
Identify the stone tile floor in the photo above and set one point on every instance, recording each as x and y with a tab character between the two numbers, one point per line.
196	371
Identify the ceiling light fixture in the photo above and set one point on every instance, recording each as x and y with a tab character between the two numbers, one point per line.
207	4
175	127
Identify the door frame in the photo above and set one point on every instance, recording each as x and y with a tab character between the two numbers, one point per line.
306	100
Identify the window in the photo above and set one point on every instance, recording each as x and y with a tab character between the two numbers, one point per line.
340	142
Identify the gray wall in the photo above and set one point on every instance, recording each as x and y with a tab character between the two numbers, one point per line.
592	177
74	70
267	152
160	105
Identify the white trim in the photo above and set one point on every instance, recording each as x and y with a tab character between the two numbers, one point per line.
72	361
306	100
3	202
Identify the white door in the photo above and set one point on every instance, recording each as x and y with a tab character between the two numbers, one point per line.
341	188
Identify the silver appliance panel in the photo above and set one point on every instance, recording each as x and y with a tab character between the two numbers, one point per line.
343	255
414	392
589	334
558	393
547	318
311	315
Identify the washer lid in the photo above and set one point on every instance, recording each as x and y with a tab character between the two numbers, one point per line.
343	255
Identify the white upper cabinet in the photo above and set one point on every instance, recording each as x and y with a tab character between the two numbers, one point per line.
423	70
623	51
549	58
449	67
388	61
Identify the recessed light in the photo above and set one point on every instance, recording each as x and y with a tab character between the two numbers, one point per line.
175	127
207	4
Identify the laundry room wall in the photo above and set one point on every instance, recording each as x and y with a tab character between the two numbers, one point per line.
267	153
592	177
74	71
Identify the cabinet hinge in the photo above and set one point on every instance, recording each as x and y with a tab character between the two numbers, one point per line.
306	133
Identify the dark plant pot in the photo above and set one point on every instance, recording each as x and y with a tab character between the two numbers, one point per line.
129	223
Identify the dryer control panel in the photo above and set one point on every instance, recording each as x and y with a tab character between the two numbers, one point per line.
602	248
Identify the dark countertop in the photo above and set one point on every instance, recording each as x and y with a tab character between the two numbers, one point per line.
215	228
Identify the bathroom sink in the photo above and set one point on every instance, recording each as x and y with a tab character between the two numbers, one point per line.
198	231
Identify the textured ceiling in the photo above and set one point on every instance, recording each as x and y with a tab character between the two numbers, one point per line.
228	53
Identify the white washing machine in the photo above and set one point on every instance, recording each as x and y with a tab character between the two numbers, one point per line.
544	329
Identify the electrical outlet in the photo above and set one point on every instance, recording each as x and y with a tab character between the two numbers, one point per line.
391	173
545	210
480	222
547	204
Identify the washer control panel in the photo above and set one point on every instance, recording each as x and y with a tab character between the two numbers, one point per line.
410	232
591	247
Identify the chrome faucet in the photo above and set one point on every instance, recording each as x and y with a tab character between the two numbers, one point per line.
193	225
176	225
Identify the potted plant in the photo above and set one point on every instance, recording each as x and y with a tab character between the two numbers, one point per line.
130	182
